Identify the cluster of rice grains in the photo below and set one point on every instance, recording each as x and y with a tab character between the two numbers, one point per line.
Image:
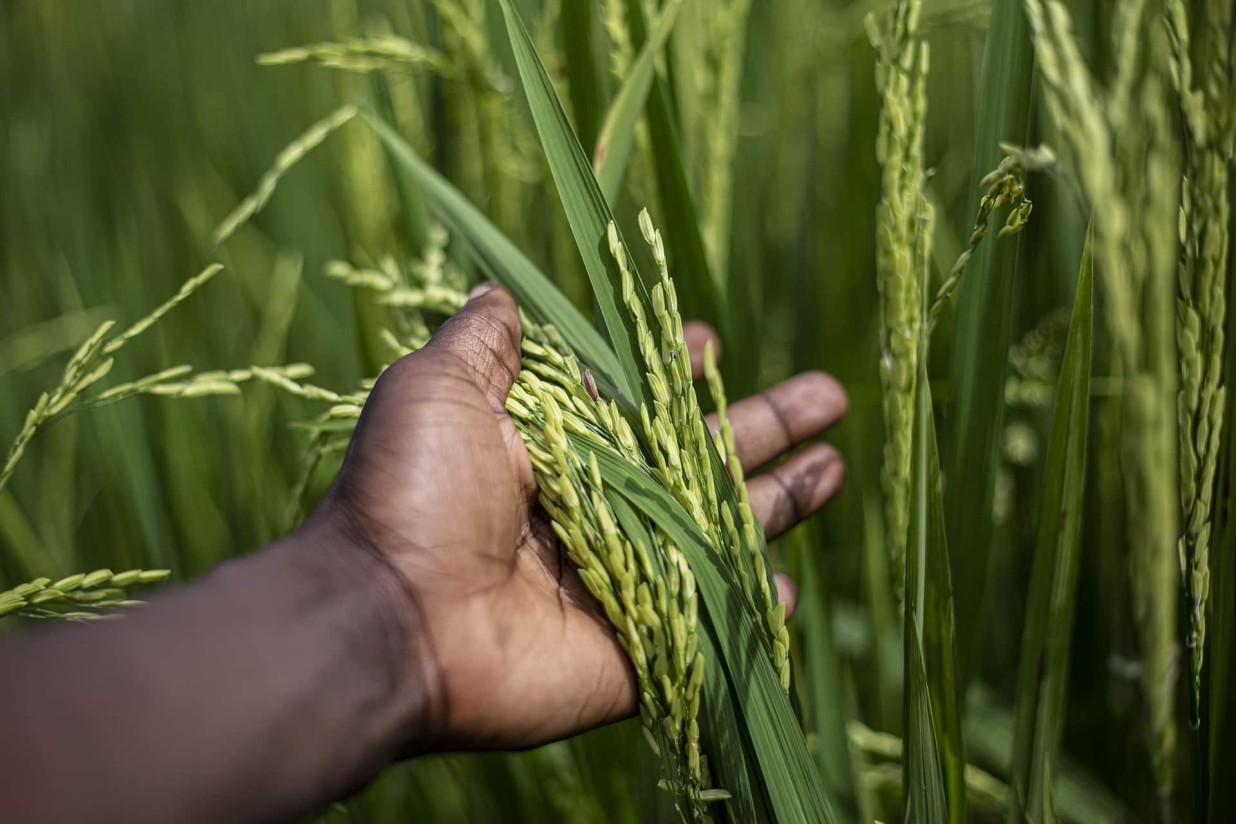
1208	109
90	364
628	564
77	390
79	597
904	220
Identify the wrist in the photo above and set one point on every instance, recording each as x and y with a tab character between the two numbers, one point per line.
386	628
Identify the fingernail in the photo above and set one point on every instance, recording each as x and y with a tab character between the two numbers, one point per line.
480	289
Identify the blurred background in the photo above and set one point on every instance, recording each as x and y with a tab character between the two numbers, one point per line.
131	128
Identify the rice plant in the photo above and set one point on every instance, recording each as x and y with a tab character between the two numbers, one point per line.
1207	116
79	597
1039	446
1122	152
904	233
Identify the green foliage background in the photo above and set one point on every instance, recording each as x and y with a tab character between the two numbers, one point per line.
131	128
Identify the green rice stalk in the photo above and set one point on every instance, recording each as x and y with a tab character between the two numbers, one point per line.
79	597
491	142
904	220
717	40
550	398
694	485
291	154
1120	148
621	50
1208	117
76	391
374	53
369	194
622	56
439	290
90	364
430	297
1005	186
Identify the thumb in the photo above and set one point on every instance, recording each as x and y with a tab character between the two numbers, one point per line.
485	335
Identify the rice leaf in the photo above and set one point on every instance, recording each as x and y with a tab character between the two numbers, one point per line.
582	70
698	288
585	205
929	632
781	758
613	146
925	795
1042	680
502	261
984	332
823	678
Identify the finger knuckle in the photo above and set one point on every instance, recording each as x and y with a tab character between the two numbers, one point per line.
824	390
477	330
831	473
482	341
840	473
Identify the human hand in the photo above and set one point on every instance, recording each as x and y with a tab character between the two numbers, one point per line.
509	646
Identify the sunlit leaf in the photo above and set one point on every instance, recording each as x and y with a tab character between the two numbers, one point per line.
502	261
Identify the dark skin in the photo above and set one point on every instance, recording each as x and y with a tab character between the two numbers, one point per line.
425	606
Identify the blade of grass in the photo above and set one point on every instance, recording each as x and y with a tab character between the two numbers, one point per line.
501	260
1042	679
698	288
613	146
749	800
929	632
585	206
984	333
822	684
925	796
583	78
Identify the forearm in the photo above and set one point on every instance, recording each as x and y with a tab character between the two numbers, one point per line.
278	683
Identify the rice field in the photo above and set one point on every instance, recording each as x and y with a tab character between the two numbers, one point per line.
1003	225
